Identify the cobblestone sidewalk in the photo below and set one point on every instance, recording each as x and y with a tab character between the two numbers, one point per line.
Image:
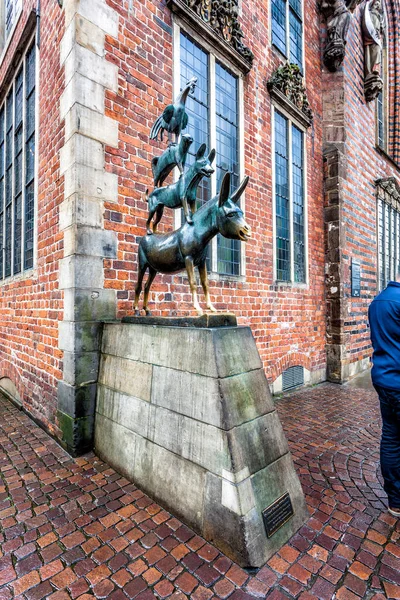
77	529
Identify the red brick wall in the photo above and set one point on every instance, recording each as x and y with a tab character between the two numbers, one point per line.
288	322
364	163
30	307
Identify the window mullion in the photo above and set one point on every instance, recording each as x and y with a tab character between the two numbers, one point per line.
213	144
23	174
287	30
290	182
13	179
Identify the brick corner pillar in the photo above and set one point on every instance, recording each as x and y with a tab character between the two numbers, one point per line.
87	185
335	173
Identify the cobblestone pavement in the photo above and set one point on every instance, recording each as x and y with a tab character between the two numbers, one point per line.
77	529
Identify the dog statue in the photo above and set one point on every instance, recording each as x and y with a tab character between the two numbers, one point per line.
183	192
174	155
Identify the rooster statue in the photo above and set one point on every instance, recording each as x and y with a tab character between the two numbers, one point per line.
174	117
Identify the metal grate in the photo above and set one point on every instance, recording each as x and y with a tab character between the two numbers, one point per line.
292	377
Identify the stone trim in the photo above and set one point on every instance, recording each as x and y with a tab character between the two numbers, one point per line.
87	185
388	190
226	40
287	89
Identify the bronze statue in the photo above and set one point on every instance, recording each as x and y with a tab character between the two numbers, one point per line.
183	192
337	17
174	156
186	248
372	28
174	117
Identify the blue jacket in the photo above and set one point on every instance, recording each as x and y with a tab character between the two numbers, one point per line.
384	320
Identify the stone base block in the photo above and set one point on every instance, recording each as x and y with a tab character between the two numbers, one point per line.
186	413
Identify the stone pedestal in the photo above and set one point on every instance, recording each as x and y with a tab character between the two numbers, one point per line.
186	413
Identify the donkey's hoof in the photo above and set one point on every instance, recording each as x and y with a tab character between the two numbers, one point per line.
149	232
148	312
137	313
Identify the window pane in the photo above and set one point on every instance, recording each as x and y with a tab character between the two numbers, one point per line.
295	6
282	198
278	8
29	209
296	42
194	63
380	119
226	91
17	233
1	191
298	205
9	173
29	229
381	245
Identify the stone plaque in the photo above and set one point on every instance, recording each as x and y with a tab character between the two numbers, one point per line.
277	514
355	279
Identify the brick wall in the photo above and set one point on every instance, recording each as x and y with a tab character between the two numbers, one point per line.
31	305
288	322
353	163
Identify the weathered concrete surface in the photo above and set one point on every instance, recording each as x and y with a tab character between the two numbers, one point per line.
186	414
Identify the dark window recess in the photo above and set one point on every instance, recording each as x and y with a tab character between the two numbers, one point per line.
292	377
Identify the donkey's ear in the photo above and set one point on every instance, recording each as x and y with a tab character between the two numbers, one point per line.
201	151
236	194
225	189
211	156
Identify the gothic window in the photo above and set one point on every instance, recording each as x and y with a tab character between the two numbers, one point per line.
388	224
17	170
382	99
289	196
9	12
213	111
287	29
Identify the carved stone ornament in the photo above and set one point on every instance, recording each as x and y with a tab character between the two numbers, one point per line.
388	190
372	24
337	17
287	88
220	18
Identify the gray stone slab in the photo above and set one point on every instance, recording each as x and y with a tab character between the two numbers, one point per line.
81	336
132	413
257	443
235	351
271	483
116	445
89	304
187	393
76	401
81	367
201	444
245	397
126	376
184	349
171	480
205	321
242	538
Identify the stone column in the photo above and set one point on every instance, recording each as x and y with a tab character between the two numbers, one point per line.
87	185
334	138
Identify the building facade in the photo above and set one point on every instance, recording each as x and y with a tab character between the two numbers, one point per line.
81	84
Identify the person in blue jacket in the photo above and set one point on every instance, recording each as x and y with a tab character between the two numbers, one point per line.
384	320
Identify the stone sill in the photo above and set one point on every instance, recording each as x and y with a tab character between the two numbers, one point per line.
205	31
281	100
10	280
383	152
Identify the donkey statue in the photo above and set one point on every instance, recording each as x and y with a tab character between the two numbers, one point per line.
181	193
186	247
